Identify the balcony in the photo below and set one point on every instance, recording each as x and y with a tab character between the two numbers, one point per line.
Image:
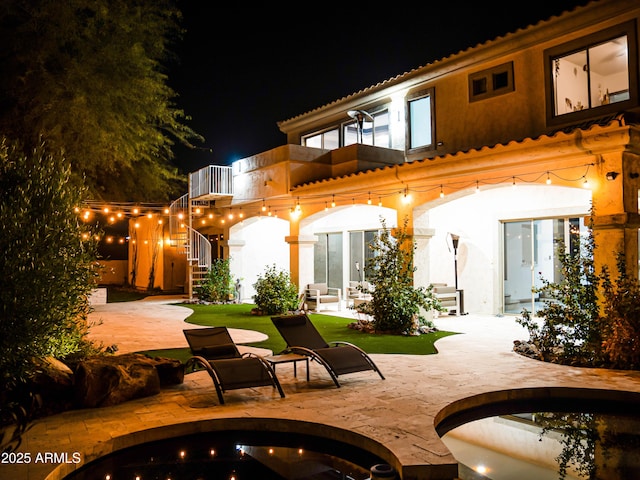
211	182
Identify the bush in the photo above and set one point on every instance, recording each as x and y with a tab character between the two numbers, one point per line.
570	331
621	319
395	303
218	284
48	270
588	319
275	293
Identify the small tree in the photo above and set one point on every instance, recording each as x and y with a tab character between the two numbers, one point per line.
395	303
570	331
218	284
275	293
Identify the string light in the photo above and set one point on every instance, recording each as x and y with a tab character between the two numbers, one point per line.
119	211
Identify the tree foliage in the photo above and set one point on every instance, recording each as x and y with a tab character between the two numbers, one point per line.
396	302
49	269
89	78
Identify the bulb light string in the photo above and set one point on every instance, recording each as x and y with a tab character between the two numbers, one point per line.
244	207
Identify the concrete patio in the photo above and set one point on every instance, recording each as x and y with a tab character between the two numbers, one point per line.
392	417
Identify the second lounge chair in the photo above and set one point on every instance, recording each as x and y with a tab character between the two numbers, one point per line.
339	358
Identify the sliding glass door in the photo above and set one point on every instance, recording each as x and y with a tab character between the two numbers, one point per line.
530	255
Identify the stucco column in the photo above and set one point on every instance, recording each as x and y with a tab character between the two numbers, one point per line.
301	258
236	266
421	237
615	219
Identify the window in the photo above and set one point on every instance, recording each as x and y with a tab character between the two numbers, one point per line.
374	132
328	140
421	129
491	82
594	76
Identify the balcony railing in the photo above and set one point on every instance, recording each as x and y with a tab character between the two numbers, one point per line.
211	181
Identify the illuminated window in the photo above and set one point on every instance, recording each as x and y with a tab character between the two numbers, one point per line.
373	133
329	139
421	125
593	76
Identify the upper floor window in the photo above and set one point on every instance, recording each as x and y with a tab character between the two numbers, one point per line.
374	130
491	82
329	139
420	111
593	76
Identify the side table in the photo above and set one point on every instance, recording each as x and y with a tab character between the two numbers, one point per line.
288	358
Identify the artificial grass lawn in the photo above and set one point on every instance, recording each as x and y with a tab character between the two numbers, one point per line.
330	327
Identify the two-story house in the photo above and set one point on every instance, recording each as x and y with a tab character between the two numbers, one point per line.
505	147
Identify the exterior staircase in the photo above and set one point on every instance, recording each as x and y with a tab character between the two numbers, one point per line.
189	242
205	184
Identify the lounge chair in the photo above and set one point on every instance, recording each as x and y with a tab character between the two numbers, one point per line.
214	350
339	358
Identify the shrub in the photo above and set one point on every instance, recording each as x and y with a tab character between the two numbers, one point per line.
621	318
48	270
395	303
218	284
275	293
570	331
588	319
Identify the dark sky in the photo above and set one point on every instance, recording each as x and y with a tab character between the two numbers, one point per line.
243	69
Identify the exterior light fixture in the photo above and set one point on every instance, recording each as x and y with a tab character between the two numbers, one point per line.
548	179
611	176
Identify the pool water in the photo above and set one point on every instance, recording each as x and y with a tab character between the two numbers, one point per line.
548	446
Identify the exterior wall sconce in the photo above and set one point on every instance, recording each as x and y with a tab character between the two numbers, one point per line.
612	176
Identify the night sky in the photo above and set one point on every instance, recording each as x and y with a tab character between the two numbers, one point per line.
242	69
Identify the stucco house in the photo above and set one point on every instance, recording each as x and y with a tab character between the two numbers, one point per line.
505	146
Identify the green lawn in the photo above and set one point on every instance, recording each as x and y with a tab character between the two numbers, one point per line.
331	328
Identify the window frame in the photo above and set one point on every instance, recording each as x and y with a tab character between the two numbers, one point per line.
411	97
489	75
584	43
375	114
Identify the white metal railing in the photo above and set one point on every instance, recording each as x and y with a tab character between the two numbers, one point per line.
211	180
178	212
199	248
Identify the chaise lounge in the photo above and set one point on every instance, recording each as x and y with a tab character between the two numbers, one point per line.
214	350
339	358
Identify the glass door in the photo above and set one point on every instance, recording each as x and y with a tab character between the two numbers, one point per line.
530	256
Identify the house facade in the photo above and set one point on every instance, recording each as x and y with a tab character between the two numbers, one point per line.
511	147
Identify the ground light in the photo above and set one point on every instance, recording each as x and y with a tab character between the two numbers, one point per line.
238	455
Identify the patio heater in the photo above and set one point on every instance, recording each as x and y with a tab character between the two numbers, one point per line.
360	116
455	241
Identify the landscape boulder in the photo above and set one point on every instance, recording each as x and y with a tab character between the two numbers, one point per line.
112	379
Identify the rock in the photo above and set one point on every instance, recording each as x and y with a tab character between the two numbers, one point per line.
170	371
52	385
112	379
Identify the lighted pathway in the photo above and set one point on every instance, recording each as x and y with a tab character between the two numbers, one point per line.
395	415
